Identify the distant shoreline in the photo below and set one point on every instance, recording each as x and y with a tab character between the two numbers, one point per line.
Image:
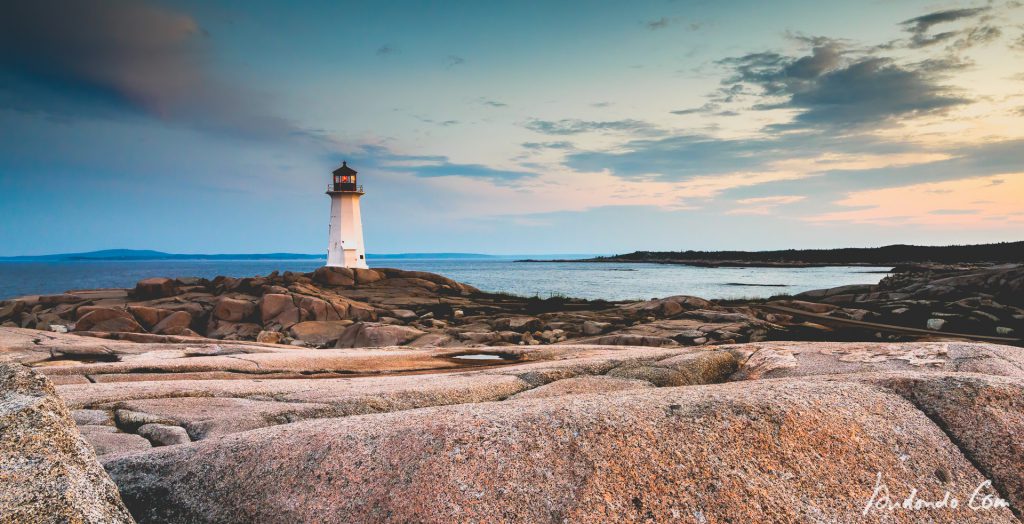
895	255
709	263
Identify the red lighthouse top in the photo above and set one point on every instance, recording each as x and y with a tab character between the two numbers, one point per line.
344	180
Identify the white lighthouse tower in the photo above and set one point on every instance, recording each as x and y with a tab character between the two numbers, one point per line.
345	244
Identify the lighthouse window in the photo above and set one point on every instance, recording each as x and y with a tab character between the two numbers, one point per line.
360	257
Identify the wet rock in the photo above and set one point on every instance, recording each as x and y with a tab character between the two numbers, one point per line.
935	324
49	473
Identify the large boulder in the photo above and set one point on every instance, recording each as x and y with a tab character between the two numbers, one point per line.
151	288
48	473
334	276
319	332
233	309
367	276
278	309
174	324
788	450
145	315
109	319
372	334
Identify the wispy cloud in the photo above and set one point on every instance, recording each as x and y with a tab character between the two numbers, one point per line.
455	60
547	145
763	205
574	126
660	23
386	50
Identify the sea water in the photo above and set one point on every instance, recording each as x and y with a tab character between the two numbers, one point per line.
610	281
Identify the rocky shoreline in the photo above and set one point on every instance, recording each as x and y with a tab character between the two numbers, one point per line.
387	395
343	308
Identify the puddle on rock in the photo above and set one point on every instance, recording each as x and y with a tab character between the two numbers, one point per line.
480	356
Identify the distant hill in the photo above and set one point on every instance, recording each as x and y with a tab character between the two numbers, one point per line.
147	254
881	256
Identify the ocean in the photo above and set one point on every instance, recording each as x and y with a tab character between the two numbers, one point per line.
610	281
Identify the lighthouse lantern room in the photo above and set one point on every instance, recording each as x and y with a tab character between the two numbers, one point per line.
345	234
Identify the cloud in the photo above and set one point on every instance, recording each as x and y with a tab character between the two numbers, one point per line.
442	123
664	22
709	107
454	60
117	59
574	126
548	145
660	23
920	27
923	23
386	50
962	204
763	205
492	103
832	87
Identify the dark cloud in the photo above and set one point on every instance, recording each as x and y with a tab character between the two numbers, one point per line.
922	24
464	170
374	157
574	126
454	60
119	58
386	50
869	91
709	107
981	33
836	88
492	103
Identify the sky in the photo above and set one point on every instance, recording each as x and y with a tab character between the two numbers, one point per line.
510	128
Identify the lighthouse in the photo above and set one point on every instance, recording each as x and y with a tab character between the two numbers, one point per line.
345	243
